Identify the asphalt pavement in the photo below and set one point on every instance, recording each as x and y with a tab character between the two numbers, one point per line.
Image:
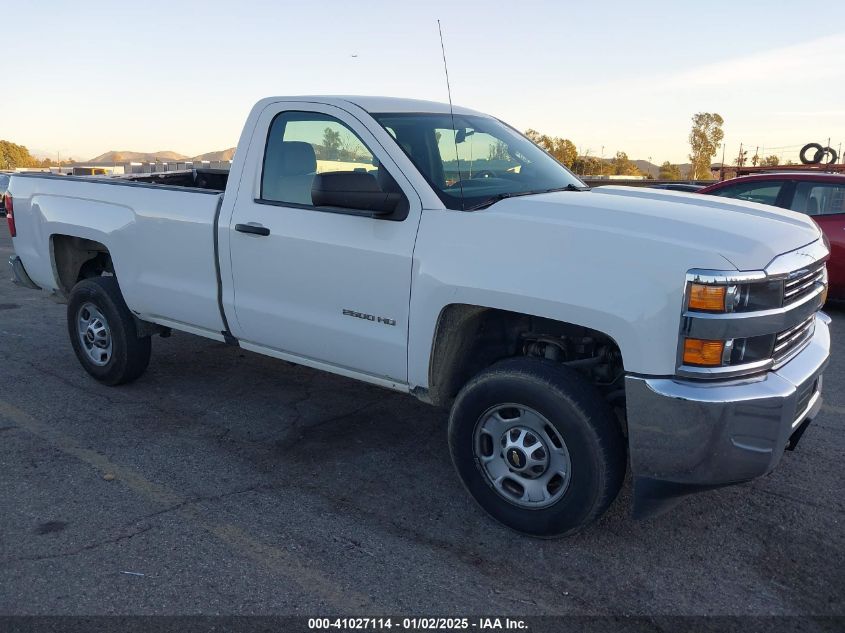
224	482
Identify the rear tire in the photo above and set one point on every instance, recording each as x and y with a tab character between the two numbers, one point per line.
537	447
103	333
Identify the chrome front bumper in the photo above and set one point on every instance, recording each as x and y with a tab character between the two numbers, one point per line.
19	276
688	435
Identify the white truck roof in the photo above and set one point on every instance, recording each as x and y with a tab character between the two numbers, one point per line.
376	104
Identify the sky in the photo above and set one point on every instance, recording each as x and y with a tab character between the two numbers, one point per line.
85	78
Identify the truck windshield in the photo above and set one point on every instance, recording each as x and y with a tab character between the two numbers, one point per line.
479	161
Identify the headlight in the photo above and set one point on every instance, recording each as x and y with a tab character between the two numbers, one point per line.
708	298
736	297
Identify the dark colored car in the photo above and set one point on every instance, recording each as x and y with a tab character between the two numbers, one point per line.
819	195
4	182
679	186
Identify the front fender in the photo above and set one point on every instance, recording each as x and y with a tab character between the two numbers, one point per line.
629	287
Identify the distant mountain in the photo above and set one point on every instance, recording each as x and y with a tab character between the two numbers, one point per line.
654	170
136	157
647	168
115	156
223	154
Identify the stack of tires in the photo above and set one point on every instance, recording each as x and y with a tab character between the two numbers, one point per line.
815	154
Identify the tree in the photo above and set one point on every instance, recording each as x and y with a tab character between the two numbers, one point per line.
498	151
13	155
668	171
564	151
561	148
591	166
350	149
623	166
532	134
331	143
705	138
770	161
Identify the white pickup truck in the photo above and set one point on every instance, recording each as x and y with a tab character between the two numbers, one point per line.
571	331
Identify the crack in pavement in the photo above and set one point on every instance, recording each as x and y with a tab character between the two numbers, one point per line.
78	550
294	566
124	537
200	499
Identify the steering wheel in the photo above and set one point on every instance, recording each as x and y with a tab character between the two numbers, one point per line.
484	173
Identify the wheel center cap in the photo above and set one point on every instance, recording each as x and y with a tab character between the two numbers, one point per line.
89	334
515	458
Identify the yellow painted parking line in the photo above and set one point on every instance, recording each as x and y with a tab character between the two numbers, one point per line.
279	560
130	478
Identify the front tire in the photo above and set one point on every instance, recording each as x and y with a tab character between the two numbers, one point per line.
103	333
537	447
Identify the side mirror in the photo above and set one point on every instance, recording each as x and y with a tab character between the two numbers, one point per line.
353	190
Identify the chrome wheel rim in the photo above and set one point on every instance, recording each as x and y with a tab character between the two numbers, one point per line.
523	457
94	334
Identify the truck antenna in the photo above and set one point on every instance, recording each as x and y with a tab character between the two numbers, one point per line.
451	114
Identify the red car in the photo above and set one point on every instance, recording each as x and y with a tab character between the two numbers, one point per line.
819	195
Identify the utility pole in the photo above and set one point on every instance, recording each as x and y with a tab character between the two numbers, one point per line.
740	160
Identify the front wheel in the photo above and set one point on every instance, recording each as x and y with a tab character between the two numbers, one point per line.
537	447
103	333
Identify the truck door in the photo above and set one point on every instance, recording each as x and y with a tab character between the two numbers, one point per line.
322	284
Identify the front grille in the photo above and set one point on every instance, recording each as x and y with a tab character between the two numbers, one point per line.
801	283
791	340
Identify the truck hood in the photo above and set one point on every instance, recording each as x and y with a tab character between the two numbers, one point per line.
747	234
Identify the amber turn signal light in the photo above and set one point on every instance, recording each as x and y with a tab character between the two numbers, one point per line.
710	298
700	352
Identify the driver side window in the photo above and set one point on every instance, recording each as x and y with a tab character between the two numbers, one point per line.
303	144
313	160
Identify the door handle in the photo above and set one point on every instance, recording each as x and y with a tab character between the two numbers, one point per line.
254	229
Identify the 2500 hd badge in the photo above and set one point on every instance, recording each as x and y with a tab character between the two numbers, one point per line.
369	317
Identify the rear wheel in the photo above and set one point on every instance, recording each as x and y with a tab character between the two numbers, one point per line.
537	447
103	333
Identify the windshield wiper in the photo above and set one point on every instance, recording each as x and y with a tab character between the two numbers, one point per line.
569	187
497	197
513	194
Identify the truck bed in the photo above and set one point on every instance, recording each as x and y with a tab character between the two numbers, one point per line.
159	232
206	179
214	179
